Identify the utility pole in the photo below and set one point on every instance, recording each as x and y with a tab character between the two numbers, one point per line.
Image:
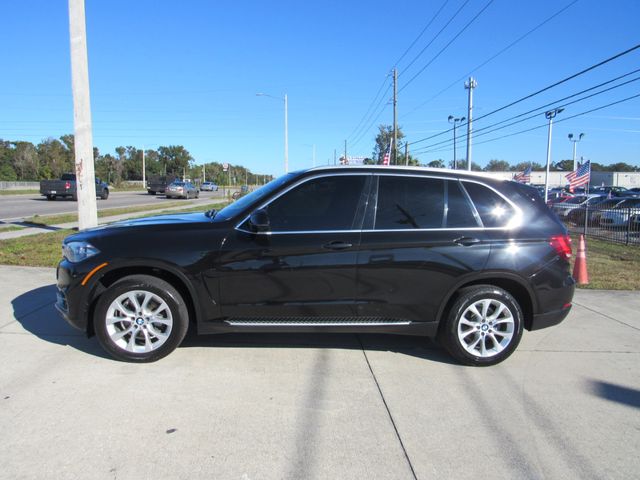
470	85
550	115
85	175
334	157
406	153
575	140
144	178
286	134
345	152
455	122
204	177
395	116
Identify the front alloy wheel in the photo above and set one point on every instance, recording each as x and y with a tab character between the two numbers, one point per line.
140	319
484	326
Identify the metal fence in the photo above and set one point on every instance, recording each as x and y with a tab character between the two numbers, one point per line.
618	225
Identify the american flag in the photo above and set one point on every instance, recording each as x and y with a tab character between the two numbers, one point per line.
523	177
580	176
387	155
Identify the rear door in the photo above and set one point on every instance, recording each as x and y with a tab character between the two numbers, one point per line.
422	235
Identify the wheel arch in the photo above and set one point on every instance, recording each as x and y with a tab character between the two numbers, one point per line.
512	284
168	274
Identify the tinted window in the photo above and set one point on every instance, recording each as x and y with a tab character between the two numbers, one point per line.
326	203
409	202
494	210
459	211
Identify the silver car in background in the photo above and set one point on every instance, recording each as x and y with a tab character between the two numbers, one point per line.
182	190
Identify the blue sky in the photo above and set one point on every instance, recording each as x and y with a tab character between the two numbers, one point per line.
187	73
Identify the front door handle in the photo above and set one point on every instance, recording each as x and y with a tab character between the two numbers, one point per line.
337	245
466	241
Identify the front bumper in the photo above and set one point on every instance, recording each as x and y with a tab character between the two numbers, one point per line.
72	298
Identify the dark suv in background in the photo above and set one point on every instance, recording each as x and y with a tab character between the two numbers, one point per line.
461	257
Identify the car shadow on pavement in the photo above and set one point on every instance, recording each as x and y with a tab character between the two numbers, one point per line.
415	346
35	311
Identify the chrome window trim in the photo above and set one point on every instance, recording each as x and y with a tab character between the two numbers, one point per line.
413	174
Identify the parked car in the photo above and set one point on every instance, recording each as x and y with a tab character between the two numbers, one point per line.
66	188
470	260
159	183
611	190
208	187
565	208
619	215
634	222
182	190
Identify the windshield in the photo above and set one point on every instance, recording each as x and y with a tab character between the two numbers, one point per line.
238	206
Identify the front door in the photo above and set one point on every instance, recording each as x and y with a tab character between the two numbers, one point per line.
304	264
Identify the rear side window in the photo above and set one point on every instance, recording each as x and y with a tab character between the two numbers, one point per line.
409	203
494	210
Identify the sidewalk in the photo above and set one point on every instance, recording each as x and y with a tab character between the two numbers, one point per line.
33	230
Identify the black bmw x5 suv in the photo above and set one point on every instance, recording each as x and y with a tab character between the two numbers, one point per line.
467	259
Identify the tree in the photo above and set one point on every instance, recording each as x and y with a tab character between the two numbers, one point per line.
175	158
522	166
497	166
436	163
622	167
383	140
54	158
25	161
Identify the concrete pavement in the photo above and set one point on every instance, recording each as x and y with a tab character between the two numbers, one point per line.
565	405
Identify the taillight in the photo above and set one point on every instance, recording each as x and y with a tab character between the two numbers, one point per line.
562	245
67	185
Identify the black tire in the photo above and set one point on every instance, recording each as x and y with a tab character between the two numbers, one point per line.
145	331
151	192
74	197
105	194
197	194
480	340
51	197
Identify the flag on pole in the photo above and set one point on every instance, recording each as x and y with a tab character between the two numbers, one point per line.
523	177
580	176
387	155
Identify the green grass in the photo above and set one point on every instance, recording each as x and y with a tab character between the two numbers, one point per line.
10	228
72	217
41	250
610	266
17	192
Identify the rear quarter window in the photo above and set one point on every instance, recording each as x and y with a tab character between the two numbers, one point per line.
494	210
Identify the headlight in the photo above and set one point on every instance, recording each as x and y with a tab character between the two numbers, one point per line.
77	251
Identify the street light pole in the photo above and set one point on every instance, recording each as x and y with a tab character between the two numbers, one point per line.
286	126
575	140
550	115
455	122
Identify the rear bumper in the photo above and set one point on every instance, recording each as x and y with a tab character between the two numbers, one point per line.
549	319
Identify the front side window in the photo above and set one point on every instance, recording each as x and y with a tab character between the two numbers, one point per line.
325	203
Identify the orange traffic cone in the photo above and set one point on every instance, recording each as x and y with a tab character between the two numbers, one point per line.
580	267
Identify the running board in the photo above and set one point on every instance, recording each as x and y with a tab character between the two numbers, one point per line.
322	322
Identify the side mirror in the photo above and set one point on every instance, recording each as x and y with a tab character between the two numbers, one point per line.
259	220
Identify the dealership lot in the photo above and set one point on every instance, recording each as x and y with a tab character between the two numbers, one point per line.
565	405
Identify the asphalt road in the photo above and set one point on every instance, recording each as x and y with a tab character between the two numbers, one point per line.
14	207
246	407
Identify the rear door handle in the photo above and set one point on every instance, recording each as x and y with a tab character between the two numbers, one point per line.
466	241
337	245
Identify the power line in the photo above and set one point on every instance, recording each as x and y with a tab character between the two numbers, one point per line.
545	107
422	32
526	97
544	125
493	57
460	32
435	37
375	98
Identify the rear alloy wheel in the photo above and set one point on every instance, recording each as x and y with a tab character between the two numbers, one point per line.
140	319
484	326
105	194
